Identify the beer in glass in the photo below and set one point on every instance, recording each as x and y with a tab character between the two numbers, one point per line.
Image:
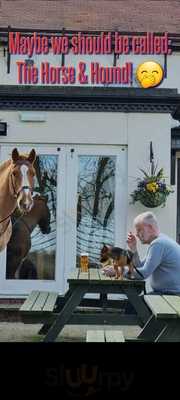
84	262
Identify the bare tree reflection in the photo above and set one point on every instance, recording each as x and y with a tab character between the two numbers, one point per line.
95	203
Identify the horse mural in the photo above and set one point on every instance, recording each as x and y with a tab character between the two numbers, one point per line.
16	187
20	242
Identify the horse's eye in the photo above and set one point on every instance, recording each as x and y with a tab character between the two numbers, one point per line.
14	173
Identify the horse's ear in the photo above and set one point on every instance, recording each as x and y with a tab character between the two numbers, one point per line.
32	156
15	155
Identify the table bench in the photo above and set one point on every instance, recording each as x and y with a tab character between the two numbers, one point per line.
39	307
104	336
164	323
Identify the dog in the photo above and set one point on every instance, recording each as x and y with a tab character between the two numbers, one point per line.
122	258
114	260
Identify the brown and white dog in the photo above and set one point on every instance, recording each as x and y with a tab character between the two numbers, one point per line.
114	260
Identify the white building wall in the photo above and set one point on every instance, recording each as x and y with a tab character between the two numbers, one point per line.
143	128
67	127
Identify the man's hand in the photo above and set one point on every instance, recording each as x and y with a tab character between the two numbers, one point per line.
132	242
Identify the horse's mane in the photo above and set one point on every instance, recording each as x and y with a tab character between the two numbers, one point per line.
5	165
23	157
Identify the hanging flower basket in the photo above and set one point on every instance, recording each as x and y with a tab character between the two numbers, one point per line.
152	191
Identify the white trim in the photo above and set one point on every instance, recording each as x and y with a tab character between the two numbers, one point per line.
121	198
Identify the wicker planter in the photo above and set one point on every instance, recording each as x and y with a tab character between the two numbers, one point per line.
152	200
152	190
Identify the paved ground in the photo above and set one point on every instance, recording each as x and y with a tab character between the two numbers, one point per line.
19	332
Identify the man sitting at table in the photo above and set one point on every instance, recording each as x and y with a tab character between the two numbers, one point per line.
162	262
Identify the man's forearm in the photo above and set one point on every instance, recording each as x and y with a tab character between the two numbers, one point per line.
136	260
137	265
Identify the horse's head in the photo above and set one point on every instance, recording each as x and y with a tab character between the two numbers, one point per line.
40	204
21	179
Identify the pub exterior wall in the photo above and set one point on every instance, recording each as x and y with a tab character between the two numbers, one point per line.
135	130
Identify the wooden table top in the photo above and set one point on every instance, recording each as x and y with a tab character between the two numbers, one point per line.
95	276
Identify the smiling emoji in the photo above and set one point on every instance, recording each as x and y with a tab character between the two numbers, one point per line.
149	74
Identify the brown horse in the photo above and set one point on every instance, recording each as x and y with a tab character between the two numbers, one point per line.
16	186
20	242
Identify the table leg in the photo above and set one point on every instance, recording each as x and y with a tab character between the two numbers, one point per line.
171	333
61	301
103	300
138	303
44	329
64	315
152	330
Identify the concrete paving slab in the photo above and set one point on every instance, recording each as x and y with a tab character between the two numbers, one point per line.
19	332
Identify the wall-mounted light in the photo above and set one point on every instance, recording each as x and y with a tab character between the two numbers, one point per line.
28	116
3	128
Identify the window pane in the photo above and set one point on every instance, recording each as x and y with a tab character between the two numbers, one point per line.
32	248
95	205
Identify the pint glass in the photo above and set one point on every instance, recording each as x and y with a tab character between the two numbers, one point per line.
84	262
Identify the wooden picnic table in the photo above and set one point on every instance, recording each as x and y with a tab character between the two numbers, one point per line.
94	281
164	322
158	315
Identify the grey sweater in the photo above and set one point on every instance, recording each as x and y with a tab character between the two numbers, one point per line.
162	264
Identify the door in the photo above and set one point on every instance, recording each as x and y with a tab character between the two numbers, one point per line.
86	192
33	251
96	201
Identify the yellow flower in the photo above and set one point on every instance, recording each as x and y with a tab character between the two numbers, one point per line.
152	187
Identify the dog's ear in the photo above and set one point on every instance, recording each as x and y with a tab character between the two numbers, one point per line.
105	248
104	253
